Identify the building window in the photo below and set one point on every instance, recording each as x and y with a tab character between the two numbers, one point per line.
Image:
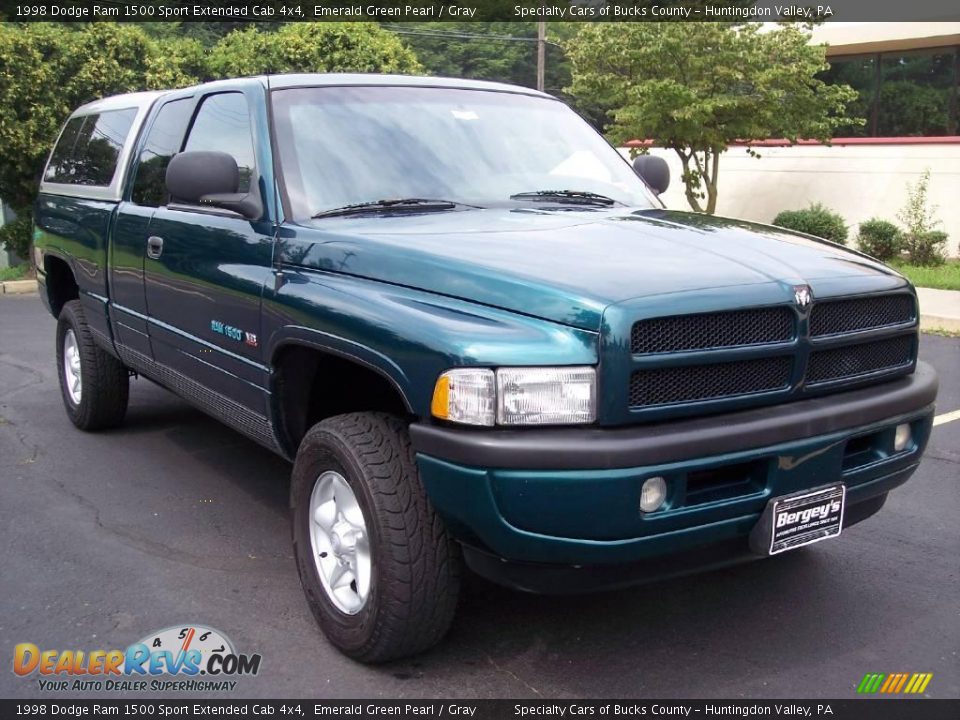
900	94
860	73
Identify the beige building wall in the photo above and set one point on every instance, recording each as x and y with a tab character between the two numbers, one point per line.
857	181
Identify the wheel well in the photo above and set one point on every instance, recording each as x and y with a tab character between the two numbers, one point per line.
61	285
312	385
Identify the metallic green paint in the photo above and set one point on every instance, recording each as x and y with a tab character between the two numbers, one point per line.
593	516
568	266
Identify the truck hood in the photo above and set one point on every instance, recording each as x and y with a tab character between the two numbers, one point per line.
568	266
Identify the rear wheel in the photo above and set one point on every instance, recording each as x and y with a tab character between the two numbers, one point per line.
379	570
94	384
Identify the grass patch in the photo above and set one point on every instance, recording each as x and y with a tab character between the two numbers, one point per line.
19	272
942	277
942	332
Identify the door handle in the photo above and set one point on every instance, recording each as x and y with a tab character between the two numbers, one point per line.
154	247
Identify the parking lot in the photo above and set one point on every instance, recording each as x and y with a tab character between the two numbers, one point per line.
175	519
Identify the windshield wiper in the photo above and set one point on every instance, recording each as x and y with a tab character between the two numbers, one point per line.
566	196
398	204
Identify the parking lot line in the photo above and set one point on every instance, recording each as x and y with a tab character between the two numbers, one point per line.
946	417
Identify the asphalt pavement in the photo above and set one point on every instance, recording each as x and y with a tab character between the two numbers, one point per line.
175	519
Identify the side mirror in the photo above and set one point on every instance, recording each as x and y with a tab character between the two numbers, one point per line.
210	178
654	171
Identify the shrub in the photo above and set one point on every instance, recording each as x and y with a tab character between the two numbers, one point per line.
16	235
929	248
924	244
880	239
815	220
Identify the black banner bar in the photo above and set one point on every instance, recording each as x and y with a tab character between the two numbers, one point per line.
874	709
477	10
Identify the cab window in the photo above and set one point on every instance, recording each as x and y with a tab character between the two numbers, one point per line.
162	143
223	124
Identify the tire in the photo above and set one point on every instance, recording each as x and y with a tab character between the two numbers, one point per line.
104	387
413	576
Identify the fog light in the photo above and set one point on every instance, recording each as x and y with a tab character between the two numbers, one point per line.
652	494
902	437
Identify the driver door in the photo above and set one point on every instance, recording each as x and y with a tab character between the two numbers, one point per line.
205	268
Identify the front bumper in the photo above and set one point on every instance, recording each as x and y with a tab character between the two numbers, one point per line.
570	497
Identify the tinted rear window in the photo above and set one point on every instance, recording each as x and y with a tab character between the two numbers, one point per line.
89	147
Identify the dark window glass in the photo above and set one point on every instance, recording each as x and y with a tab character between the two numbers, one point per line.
88	150
860	73
916	93
64	149
223	124
163	142
901	94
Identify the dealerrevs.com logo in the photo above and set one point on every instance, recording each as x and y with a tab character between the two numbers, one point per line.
185	658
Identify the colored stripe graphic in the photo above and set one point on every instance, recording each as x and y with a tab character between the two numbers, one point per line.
903	680
918	683
908	683
870	683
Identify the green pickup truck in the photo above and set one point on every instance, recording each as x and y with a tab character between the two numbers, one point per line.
478	335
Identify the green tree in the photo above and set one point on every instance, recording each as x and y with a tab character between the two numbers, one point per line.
311	47
45	72
498	51
697	87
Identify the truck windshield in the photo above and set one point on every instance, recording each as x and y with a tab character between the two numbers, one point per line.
343	146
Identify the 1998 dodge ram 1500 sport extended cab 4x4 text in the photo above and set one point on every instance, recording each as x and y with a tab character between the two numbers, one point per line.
477	333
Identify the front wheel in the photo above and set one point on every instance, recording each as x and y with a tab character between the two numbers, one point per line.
94	384
378	568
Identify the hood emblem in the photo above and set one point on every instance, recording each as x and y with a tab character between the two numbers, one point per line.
802	294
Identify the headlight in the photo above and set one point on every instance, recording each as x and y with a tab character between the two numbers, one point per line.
465	396
546	396
517	396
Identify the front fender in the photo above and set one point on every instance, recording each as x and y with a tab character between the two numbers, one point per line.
411	336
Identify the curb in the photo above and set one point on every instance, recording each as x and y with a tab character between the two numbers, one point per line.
18	287
936	322
939	309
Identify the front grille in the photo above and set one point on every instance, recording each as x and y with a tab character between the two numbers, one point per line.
674	361
670	385
853	360
833	317
712	330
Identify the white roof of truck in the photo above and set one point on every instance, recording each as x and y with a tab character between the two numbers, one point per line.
139	100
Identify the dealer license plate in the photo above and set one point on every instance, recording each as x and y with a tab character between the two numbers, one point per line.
800	519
